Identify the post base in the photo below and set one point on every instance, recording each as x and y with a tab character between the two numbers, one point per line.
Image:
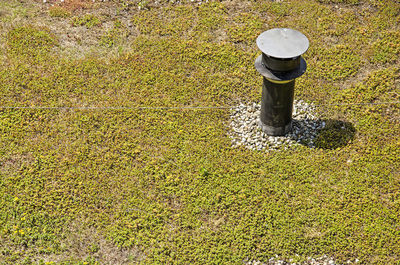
275	131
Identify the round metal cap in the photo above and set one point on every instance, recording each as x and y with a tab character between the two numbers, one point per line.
282	43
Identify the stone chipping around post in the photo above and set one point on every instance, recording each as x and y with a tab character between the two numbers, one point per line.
246	131
322	260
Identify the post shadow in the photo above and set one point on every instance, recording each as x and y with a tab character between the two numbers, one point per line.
328	134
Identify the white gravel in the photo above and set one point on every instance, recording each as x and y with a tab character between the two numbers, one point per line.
323	260
245	129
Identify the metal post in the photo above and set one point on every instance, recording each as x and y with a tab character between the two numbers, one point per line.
280	64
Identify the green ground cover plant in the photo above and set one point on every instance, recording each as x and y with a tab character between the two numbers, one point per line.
57	11
157	186
86	20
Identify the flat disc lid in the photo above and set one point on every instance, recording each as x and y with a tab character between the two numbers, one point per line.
282	43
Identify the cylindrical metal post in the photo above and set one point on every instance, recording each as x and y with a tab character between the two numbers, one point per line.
279	64
276	106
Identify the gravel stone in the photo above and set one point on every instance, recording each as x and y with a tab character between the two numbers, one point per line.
246	130
322	260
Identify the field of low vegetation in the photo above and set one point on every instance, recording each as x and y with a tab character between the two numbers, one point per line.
94	169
